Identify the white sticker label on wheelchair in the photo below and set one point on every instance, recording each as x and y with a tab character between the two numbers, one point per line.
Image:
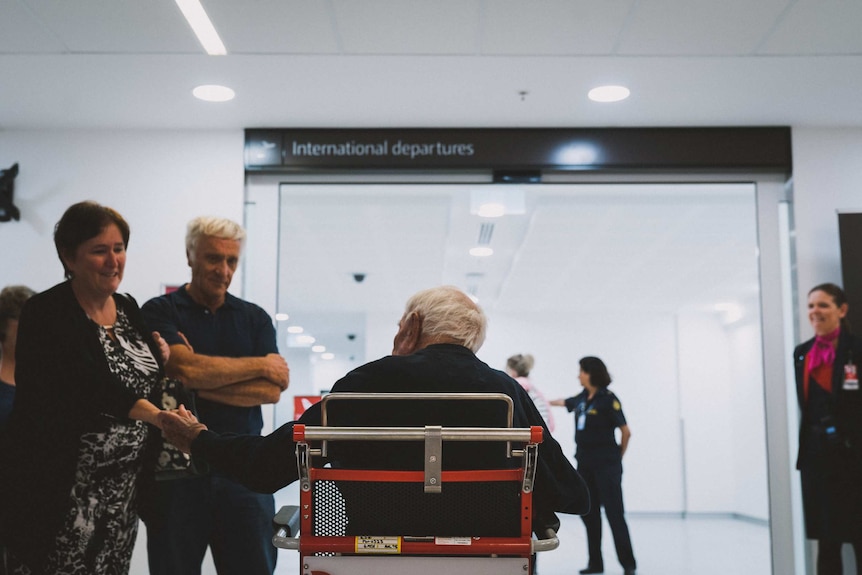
453	541
367	544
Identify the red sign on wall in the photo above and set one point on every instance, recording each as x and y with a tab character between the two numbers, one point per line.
302	402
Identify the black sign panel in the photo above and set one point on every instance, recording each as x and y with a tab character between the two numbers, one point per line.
850	236
765	149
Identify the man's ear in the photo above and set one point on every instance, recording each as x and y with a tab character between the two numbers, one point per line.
409	334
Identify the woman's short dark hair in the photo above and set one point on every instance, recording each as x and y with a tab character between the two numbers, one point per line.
84	221
839	298
595	368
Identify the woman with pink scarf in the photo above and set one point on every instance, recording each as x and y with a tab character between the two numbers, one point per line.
830	434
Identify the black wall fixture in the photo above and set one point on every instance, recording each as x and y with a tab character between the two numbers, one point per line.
8	211
850	238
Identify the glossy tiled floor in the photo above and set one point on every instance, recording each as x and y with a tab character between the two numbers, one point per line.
663	546
670	546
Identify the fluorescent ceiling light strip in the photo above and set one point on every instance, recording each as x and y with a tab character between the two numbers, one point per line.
202	27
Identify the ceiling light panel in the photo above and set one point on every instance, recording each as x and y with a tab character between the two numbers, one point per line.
609	93
203	28
214	93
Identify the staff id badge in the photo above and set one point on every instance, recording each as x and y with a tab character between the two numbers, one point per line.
851	378
582	421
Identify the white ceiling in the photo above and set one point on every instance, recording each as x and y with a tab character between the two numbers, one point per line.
395	63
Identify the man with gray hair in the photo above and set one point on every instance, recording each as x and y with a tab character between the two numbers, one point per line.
224	350
433	352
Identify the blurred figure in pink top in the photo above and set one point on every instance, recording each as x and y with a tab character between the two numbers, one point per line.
519	367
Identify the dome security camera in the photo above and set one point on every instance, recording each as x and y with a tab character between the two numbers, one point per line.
359	278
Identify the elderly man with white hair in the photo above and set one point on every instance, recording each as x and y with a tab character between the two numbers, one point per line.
433	352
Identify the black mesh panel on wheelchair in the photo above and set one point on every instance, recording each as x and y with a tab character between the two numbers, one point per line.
463	509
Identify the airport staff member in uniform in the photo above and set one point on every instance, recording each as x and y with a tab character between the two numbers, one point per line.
597	414
830	431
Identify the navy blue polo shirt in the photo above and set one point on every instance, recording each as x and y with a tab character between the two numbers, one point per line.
236	329
600	416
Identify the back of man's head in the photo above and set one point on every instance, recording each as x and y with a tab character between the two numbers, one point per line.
449	315
221	228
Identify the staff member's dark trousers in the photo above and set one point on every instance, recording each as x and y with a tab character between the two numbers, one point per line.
829	557
605	485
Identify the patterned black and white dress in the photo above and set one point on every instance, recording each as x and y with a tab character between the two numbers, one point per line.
101	522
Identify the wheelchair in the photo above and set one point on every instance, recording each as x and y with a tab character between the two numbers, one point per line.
451	494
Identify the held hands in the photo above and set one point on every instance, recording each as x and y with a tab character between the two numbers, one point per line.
180	427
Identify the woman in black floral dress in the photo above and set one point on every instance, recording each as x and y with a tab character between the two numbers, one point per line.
79	445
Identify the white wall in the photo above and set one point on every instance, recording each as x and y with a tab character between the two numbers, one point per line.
640	352
706	396
827	178
721	389
157	180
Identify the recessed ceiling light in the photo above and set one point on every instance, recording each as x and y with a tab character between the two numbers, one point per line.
327	355
318	348
609	93
481	251
295	329
281	317
497	200
213	93
492	210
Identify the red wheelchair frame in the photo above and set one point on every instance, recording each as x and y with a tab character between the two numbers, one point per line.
422	540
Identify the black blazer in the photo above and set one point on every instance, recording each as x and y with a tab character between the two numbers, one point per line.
64	388
846	403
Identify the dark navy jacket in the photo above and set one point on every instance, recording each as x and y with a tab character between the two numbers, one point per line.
267	464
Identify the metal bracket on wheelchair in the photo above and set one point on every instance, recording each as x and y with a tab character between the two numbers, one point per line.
433	458
531	460
286	522
303	461
548	542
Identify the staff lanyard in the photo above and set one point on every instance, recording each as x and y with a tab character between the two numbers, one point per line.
582	415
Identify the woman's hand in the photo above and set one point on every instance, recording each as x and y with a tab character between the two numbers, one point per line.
164	348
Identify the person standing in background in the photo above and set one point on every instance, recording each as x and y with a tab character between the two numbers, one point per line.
830	429
598	413
77	455
224	350
12	300
519	367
